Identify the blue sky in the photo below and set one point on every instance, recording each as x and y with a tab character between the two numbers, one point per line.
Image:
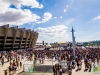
53	19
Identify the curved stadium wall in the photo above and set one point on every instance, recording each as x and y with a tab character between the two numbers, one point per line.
13	38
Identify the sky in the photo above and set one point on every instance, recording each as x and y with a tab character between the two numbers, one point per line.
54	19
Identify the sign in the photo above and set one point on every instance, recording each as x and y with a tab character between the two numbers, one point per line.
31	70
28	68
96	68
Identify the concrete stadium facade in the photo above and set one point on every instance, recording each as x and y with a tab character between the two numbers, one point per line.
13	38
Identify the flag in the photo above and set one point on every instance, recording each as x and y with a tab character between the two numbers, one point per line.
95	69
99	68
31	70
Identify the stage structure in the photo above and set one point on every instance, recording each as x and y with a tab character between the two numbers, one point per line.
73	39
13	38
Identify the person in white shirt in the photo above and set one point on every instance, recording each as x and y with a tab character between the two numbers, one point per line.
60	70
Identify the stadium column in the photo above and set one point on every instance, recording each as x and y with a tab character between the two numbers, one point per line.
33	39
5	34
36	38
21	35
31	36
27	36
14	35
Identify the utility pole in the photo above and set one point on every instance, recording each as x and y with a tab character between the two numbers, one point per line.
73	39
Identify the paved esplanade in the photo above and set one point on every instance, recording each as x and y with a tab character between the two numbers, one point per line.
47	62
6	65
73	71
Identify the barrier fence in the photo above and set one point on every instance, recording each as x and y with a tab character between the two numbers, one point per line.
28	68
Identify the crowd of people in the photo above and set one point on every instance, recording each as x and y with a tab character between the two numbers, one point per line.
14	58
57	69
88	55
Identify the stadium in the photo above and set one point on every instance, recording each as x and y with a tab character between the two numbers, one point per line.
13	38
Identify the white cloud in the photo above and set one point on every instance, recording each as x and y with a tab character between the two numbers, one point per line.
98	32
85	38
68	21
47	17
96	18
64	10
18	16
20	3
71	3
60	16
57	32
55	17
67	6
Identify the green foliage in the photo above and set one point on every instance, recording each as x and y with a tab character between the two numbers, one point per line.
92	43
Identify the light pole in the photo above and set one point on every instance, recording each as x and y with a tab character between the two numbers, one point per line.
73	39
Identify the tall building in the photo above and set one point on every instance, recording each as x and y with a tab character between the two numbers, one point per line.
13	38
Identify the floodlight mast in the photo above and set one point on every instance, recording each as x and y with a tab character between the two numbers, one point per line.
73	40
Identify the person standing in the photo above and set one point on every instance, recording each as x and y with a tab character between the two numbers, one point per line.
77	64
40	60
73	63
54	70
2	61
34	60
20	65
80	64
17	63
60	70
10	69
69	70
5	72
